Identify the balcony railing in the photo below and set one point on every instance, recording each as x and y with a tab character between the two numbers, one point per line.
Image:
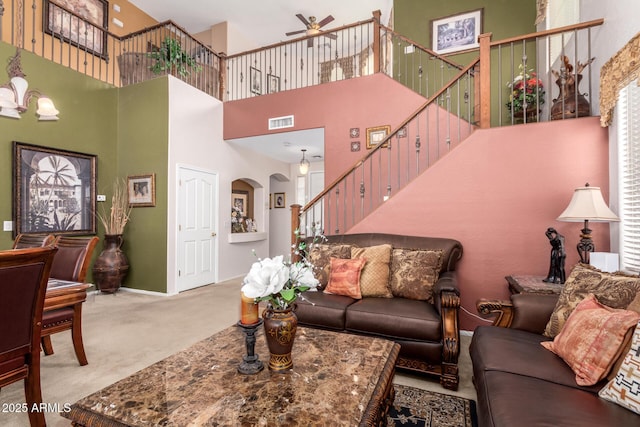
64	37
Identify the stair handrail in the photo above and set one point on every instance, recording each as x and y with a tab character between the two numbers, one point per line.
425	49
380	145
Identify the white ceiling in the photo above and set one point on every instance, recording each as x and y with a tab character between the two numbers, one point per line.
265	22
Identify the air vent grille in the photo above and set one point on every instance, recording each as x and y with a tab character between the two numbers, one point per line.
281	122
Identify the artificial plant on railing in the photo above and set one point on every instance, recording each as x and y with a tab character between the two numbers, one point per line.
171	57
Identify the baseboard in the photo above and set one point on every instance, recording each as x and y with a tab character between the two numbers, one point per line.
144	292
466	333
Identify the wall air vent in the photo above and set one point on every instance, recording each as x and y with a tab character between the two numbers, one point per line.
281	122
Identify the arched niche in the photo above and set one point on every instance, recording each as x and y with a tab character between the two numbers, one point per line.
247	195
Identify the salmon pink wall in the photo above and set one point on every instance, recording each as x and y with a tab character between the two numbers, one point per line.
355	103
497	193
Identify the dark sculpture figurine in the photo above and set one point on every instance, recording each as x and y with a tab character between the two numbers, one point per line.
558	255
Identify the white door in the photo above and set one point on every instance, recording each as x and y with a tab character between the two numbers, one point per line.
197	233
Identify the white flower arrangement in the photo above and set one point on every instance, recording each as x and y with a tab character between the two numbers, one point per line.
281	281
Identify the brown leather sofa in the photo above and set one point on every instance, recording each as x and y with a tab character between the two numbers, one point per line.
520	383
427	333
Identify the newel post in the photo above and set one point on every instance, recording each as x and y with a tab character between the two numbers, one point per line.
376	41
485	80
222	76
295	229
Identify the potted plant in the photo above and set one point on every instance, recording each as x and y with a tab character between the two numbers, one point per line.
527	95
170	57
111	266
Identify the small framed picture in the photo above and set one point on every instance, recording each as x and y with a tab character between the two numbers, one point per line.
239	200
255	80
354	132
141	190
273	83
355	145
270	200
279	200
376	135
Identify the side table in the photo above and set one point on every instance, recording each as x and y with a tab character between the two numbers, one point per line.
518	284
532	284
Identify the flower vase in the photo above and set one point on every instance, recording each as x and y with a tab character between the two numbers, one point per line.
280	331
111	266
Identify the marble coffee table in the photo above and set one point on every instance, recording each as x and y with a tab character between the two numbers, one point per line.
337	379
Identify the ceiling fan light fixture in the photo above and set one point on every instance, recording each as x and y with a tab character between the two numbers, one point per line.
303	166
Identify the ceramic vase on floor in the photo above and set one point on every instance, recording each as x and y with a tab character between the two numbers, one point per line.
111	266
280	331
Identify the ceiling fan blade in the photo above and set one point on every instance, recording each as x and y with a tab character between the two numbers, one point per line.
325	21
291	33
331	36
303	19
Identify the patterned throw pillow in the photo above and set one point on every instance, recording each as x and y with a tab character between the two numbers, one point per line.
344	278
320	256
616	290
623	389
592	339
374	280
414	272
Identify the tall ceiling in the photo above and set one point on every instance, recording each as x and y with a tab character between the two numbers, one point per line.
264	22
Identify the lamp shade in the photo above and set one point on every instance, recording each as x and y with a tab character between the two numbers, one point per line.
303	166
587	203
46	109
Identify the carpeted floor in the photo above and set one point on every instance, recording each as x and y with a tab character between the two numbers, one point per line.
416	407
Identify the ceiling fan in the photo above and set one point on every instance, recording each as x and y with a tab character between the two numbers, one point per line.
313	28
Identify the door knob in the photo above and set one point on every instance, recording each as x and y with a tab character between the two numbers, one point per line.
213	234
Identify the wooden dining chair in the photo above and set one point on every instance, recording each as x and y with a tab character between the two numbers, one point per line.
23	283
33	240
71	263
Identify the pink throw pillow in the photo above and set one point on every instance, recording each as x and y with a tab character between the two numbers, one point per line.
344	277
591	339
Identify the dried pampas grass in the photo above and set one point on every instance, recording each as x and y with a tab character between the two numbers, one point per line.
118	216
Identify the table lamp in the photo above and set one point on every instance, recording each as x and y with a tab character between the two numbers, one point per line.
587	204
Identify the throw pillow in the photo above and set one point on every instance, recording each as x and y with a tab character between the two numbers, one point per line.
616	290
344	278
320	256
591	339
414	272
374	281
623	389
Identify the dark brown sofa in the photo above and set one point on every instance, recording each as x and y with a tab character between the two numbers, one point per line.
427	333
520	383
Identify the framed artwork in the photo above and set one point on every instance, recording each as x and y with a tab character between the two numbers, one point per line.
354	132
54	190
376	135
239	200
273	83
88	33
402	132
279	200
270	200
355	145
456	33
255	80
141	190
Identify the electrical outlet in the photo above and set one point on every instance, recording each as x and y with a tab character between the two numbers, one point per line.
101	198
7	226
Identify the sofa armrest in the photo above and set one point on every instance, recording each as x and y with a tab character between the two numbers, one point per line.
446	296
532	311
527	312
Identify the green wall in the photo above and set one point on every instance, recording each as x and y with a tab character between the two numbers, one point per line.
502	18
126	128
88	113
143	133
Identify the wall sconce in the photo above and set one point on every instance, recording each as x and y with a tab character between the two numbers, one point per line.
587	204
15	96
303	166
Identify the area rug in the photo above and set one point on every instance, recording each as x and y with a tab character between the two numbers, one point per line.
415	407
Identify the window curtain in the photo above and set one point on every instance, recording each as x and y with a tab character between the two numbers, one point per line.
541	10
621	69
